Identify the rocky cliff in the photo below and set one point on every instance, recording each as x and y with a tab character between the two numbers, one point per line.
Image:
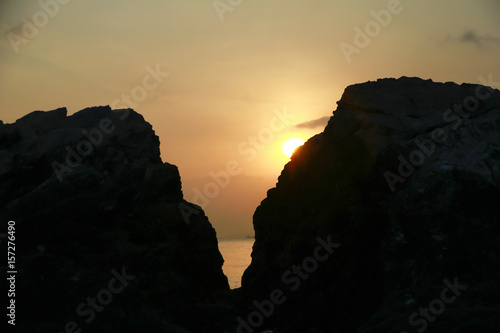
104	240
388	221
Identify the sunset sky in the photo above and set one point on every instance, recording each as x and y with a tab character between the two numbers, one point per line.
228	82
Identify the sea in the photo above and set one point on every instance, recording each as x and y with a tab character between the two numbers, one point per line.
237	258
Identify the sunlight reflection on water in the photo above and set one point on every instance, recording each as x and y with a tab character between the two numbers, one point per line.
236	255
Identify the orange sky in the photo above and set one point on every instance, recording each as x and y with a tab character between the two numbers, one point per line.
234	67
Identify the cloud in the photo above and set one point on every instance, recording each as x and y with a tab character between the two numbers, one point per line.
320	122
470	36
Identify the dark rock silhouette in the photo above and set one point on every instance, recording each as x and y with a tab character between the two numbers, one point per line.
385	222
97	215
406	178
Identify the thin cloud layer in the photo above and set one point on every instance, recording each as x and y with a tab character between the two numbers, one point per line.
471	36
320	122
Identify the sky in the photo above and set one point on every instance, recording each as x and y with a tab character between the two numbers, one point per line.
225	83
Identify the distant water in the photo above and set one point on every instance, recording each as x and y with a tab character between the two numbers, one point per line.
237	258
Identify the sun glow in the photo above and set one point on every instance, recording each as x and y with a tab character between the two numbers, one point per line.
290	145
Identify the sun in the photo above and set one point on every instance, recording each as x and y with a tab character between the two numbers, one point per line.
290	145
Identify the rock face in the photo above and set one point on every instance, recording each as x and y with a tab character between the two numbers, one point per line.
104	240
404	184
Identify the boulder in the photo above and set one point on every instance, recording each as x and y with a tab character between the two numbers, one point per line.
387	221
105	241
